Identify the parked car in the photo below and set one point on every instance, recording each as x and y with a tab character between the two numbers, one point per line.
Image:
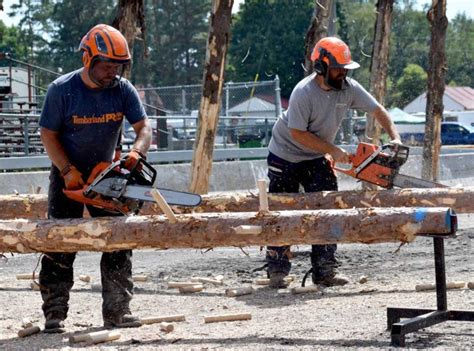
452	133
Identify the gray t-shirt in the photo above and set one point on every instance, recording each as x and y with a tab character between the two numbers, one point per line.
317	111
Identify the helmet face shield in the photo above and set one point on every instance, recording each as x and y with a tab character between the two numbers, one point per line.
106	73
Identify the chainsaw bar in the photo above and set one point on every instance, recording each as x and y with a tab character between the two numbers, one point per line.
172	197
404	181
118	188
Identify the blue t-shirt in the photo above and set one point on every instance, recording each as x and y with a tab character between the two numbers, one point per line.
88	120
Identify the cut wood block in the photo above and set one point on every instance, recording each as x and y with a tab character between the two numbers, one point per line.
239	291
166	327
25	276
140	278
266	281
78	338
191	288
159	319
95	337
470	285
29	331
248	229
34	286
160	200
263	196
175	285
228	317
262	281
305	289
85	278
450	285
207	280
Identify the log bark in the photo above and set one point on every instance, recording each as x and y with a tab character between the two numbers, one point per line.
435	90
372	225
379	63
459	199
213	80
317	30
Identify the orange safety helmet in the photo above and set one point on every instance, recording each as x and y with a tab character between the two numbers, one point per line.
105	43
331	52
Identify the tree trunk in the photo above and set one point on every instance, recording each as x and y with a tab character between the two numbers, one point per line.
459	199
379	63
317	30
435	90
372	225
216	51
129	14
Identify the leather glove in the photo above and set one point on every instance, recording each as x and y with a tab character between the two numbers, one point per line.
117	155
132	158
72	178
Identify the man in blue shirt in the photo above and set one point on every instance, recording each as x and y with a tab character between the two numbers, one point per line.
80	127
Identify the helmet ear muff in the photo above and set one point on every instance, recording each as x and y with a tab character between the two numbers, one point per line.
320	66
86	60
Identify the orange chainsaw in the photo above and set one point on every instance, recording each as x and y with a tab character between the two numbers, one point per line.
380	165
114	188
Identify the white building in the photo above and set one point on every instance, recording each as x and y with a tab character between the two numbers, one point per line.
16	86
454	99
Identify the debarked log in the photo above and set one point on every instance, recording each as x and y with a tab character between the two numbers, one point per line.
459	199
208	230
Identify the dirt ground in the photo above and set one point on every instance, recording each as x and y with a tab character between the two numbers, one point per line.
349	317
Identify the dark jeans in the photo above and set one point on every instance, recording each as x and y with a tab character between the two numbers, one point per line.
287	177
56	275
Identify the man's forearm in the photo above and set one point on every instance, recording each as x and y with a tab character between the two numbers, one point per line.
54	149
143	139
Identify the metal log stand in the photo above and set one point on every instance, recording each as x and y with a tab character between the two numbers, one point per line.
422	318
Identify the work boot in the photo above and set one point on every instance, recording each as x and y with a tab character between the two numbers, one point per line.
332	279
277	280
54	323
122	321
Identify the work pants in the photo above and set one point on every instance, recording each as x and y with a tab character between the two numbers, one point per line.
287	177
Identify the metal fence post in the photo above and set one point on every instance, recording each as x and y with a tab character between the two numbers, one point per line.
26	136
277	97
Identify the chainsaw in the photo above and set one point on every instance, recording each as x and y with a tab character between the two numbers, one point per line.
112	187
380	165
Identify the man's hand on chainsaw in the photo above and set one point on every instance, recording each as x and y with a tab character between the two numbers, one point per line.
132	158
396	141
340	155
72	178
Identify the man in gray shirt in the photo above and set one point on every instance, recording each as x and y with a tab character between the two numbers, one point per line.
302	146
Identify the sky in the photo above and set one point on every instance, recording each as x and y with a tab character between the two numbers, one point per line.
453	8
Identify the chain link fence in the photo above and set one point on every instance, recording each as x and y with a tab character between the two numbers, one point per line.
248	112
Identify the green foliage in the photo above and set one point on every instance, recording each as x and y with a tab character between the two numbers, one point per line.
411	84
10	42
268	39
176	38
460	51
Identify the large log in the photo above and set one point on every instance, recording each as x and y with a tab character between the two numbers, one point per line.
460	199
371	225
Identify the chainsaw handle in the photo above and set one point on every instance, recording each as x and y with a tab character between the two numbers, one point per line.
342	169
